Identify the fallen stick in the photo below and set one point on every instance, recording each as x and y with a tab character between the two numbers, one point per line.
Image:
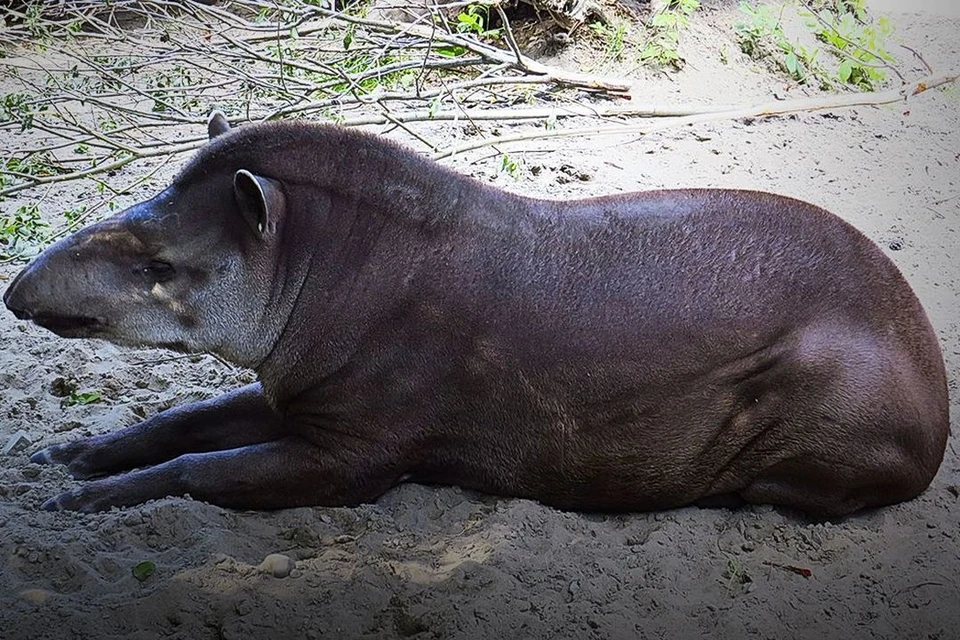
671	117
800	571
877	98
512	58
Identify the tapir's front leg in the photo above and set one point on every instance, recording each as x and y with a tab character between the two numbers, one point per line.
291	472
235	419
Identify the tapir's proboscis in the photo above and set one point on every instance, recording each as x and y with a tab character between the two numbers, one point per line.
631	352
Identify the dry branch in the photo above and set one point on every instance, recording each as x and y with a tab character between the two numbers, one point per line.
119	91
106	94
762	110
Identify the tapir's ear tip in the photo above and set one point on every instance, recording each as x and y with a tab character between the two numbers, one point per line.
259	199
217	124
243	179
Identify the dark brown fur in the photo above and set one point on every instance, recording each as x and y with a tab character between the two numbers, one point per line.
631	352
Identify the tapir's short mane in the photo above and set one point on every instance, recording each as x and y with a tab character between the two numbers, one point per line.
261	138
351	162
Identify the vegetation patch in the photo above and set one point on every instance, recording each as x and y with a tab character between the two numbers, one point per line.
849	47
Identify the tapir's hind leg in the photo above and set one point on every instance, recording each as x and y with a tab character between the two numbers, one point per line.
845	420
235	419
829	492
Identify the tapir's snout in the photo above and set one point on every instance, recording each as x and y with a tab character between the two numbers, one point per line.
19	312
45	293
14	302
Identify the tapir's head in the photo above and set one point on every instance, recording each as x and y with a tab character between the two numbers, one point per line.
181	270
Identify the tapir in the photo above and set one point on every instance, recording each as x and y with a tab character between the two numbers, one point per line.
628	352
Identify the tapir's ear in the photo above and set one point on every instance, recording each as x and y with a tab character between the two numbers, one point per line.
260	201
217	124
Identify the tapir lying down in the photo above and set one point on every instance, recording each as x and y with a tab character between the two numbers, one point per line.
631	352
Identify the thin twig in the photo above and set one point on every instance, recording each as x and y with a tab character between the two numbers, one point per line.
758	111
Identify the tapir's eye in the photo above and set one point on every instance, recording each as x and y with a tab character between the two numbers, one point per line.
157	271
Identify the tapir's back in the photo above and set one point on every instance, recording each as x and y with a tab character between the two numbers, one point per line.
658	274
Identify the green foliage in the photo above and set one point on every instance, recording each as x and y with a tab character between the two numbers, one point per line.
368	65
17	107
23	233
856	45
143	570
33	15
858	8
348	35
663	33
614	39
73	215
173	89
861	46
475	20
735	575
83	398
762	24
33	20
762	36
35	164
655	44
510	166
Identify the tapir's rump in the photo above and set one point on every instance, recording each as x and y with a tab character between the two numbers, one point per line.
631	352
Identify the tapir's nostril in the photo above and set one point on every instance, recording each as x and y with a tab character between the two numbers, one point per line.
6	296
12	303
20	313
15	306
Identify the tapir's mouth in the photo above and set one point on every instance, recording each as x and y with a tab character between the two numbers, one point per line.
68	326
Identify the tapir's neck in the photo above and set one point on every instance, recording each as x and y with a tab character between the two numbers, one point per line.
348	164
352	269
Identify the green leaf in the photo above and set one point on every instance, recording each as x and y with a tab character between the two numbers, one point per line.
451	51
793	65
664	20
435	105
470	22
83	398
143	570
845	71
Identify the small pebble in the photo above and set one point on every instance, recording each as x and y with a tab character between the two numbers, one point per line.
243	607
15	443
31	472
132	519
35	596
277	565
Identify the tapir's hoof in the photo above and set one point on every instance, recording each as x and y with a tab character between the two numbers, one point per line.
53	504
70	454
80	500
42	457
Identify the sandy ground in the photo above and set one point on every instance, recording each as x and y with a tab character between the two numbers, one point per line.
431	562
